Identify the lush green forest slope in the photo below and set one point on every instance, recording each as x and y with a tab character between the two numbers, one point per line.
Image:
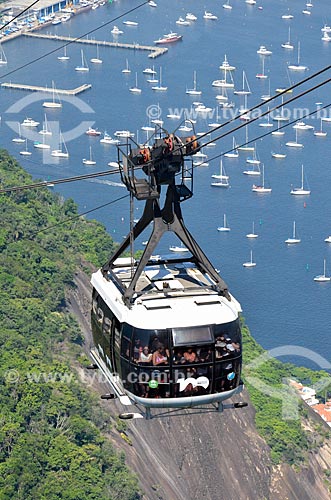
51	446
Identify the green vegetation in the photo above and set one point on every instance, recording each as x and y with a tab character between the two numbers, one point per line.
279	412
51	441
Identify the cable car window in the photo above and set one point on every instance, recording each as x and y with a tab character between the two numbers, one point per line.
126	340
106	326
229	330
190	336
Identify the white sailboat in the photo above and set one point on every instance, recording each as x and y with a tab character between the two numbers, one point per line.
223	179
65	57
194	90
224	82
19	139
234	151
246	146
261	188
83	67
320	132
25	152
253	160
225	227
160	87
253	171
136	89
267	123
250	263
3	58
54	103
126	69
41	145
89	161
300	190
45	130
245	90
278	132
294	144
62	152
298	66
96	60
252	234
294	239
262	75
323	277
288	45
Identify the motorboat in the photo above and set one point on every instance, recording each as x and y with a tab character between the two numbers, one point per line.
209	15
263	51
130	23
29	122
226	66
191	17
169	38
92	131
183	22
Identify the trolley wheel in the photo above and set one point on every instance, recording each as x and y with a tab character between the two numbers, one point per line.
126	416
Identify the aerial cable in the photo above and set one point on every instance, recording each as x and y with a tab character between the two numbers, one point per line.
265	134
75	217
75	39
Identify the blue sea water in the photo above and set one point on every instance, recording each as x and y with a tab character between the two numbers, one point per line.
281	303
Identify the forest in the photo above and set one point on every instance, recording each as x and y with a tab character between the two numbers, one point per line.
53	431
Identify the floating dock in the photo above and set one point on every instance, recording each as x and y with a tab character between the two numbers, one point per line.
35	88
154	51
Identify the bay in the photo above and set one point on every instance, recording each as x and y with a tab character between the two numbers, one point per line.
281	303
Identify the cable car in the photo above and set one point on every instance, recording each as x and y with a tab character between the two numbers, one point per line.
165	328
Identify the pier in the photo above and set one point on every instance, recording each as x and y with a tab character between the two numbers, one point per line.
35	88
154	51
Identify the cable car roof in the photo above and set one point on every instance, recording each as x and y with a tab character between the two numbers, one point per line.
169	295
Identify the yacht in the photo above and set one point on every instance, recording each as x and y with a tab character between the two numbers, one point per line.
191	17
209	15
183	22
169	38
92	131
130	23
226	66
29	122
263	51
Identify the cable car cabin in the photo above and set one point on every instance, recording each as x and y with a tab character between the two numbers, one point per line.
177	345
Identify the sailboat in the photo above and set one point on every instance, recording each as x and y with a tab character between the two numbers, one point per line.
96	60
253	171
246	146
294	144
223	179
301	190
225	227
41	145
45	130
194	90
262	76
278	132
245	90
89	161
25	152
234	152
288	45
224	81
126	69
227	5
298	66
3	58
19	139
83	66
293	239
254	160
320	132
53	103
322	277
64	57
136	89
267	123
62	152
252	234
250	263
262	188
160	87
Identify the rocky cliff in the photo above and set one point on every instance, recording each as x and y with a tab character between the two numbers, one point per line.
202	454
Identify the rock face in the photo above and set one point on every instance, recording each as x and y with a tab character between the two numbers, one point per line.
201	454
